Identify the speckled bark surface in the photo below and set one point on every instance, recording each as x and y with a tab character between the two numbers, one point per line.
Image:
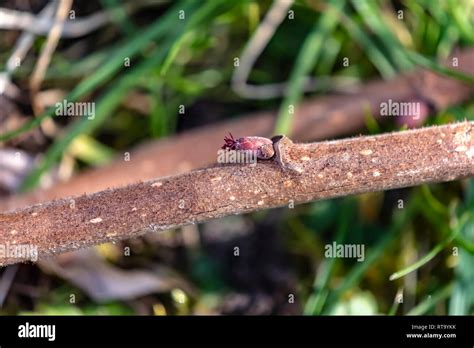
302	173
323	117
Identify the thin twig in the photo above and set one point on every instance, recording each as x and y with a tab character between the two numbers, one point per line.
16	20
50	46
26	39
43	61
22	46
299	173
254	48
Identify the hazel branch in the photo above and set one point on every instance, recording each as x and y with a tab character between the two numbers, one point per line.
316	118
299	173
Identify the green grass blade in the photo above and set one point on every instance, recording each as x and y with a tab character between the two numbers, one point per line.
438	68
396	303
424	306
105	107
316	301
358	271
425	259
112	99
91	151
372	16
460	11
113	65
433	252
305	61
376	56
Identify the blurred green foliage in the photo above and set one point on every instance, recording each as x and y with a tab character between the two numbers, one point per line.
185	64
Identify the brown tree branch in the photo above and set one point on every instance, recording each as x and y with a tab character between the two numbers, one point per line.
315	119
299	173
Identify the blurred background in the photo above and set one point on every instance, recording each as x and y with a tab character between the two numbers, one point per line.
160	70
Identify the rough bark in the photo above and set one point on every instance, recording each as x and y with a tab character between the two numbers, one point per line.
316	119
299	173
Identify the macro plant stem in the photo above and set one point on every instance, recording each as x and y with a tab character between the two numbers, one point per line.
299	173
316	118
